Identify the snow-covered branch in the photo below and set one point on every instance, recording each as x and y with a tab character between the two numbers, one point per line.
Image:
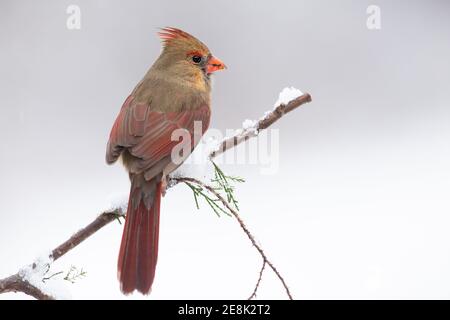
289	99
16	283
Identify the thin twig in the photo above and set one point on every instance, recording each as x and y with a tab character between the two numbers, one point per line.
51	276
253	295
241	223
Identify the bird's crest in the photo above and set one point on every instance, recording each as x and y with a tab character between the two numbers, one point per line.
169	36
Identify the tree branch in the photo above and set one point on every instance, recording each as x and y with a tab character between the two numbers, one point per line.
16	283
242	224
265	122
101	221
253	295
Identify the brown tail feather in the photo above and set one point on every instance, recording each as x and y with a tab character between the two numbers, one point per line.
139	248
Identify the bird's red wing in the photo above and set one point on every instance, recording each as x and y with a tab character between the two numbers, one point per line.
147	134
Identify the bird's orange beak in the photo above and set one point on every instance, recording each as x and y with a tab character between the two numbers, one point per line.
214	65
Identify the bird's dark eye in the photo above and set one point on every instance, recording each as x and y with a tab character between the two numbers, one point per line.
196	59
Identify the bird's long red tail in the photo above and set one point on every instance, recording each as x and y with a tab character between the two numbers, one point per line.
139	248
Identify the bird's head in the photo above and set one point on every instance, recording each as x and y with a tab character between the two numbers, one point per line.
184	54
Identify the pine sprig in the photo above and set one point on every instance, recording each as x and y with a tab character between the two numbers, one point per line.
74	274
213	203
222	183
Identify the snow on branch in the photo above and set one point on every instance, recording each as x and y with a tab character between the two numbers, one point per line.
289	99
31	279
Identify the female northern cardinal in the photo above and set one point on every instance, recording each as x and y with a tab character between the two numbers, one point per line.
173	94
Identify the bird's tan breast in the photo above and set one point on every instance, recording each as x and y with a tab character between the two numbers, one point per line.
165	93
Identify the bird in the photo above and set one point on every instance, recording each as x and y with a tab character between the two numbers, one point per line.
174	94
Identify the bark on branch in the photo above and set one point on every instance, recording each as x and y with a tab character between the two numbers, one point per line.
16	283
101	221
